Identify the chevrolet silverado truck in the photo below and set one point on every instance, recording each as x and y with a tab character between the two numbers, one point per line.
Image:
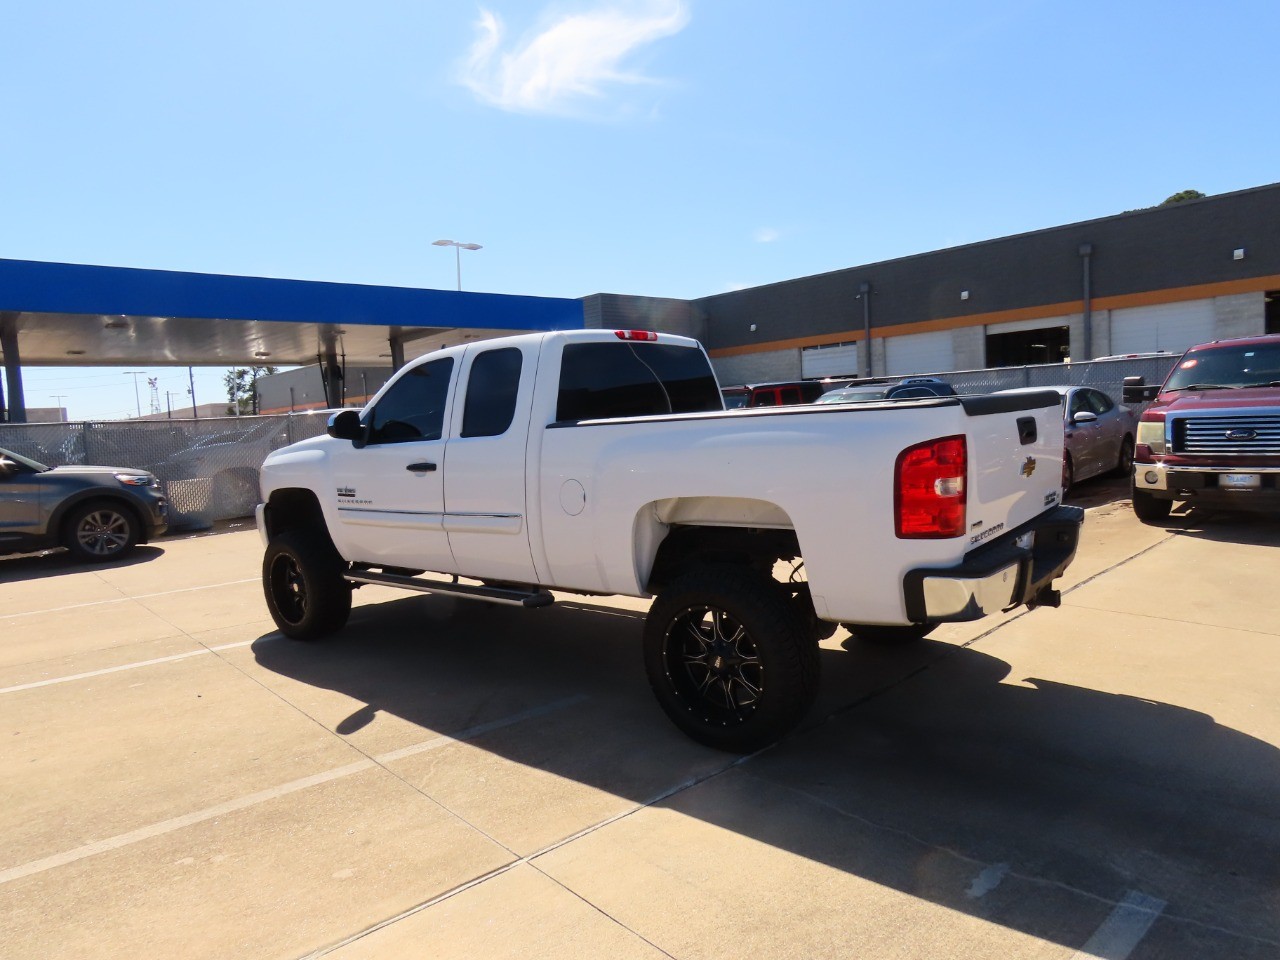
1211	436
602	462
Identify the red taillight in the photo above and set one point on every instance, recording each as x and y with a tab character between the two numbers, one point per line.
635	335
929	489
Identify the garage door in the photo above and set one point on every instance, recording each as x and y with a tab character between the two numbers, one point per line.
836	360
918	353
1171	327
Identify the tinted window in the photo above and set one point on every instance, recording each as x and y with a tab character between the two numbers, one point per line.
634	379
491	393
1079	404
413	409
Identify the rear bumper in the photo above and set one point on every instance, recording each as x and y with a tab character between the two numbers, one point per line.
1017	569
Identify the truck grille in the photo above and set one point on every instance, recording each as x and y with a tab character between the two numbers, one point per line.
1236	434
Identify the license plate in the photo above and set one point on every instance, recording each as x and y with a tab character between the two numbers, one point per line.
1239	481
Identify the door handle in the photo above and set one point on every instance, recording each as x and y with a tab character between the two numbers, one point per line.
423	467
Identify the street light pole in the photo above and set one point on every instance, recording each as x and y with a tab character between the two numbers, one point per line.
136	396
457	253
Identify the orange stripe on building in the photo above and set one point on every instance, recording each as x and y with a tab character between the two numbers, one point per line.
1204	291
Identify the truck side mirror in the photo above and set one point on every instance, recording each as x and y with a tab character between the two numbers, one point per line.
346	425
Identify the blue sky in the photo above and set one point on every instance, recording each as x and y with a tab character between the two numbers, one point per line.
662	147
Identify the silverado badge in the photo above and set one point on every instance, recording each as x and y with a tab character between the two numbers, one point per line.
1029	467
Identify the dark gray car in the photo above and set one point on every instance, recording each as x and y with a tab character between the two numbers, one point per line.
97	513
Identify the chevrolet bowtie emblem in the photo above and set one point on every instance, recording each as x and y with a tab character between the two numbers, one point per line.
1029	467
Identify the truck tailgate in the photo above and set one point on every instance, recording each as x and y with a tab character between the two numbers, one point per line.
1015	460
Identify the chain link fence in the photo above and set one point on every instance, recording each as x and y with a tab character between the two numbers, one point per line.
1105	375
209	467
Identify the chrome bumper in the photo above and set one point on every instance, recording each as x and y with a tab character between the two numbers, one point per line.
969	598
1018	568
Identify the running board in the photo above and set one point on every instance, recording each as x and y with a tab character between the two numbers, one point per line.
518	598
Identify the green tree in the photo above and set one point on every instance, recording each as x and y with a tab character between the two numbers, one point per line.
242	393
1183	195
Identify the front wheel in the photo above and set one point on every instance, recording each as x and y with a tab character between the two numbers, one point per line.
1124	463
1151	509
890	636
98	532
729	658
302	580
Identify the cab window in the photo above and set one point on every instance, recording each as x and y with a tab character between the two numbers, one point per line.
616	379
413	408
492	386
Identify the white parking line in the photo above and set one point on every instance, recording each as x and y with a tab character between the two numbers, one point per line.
1123	929
262	796
124	666
143	596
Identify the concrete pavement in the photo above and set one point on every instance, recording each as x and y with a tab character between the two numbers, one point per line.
448	779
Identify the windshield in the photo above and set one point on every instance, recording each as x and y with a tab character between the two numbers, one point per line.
1222	367
25	461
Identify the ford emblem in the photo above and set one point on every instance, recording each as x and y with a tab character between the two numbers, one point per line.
1242	434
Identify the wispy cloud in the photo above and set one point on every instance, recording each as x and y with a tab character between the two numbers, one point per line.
765	235
573	63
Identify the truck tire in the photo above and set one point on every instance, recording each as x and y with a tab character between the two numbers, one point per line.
304	587
100	531
1151	509
729	658
1124	462
890	636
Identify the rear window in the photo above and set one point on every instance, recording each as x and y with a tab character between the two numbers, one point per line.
634	379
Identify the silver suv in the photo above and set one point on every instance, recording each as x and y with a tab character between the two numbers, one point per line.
97	513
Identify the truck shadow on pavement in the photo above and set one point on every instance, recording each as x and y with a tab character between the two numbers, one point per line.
930	770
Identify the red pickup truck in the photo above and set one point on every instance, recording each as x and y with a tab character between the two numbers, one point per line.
1212	433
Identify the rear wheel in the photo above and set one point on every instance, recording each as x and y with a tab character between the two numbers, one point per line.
304	587
101	531
1068	473
1151	509
729	658
890	636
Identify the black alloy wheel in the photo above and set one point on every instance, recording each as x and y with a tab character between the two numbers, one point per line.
305	591
729	658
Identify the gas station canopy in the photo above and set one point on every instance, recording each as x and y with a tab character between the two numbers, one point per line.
79	315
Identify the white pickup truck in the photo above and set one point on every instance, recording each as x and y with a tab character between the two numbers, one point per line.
602	462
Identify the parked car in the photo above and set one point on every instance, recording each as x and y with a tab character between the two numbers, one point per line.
1211	435
97	513
780	394
602	462
1099	433
230	460
911	388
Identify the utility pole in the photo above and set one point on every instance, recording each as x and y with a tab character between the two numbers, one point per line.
192	378
136	396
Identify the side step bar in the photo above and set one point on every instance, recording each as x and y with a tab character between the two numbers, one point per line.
518	598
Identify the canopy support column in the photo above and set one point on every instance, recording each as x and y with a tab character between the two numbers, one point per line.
17	409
